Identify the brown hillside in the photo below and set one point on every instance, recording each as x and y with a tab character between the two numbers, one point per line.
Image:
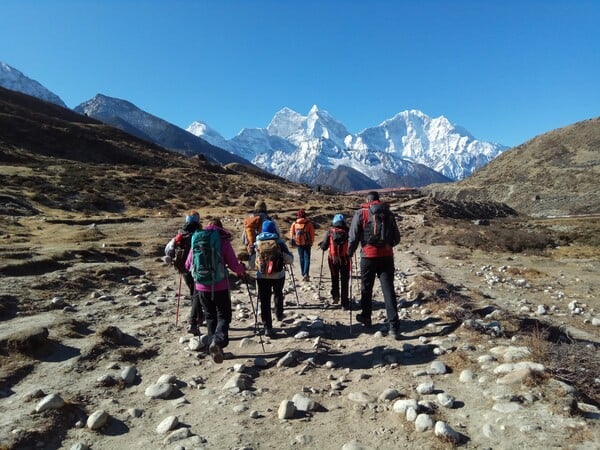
556	173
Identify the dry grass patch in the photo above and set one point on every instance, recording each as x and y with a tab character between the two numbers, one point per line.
575	363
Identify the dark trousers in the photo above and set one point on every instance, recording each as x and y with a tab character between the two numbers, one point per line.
340	274
217	310
196	314
266	288
304	259
382	267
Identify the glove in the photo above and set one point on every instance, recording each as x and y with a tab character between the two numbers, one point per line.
246	278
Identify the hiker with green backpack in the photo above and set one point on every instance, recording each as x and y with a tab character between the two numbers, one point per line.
210	256
271	257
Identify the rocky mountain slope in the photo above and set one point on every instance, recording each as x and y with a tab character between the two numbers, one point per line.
125	115
556	173
11	78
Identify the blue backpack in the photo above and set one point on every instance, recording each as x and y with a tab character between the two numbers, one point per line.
207	263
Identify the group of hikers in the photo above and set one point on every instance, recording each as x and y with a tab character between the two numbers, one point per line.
203	256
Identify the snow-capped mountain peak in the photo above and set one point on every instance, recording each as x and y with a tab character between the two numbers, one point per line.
317	124
207	133
13	79
285	122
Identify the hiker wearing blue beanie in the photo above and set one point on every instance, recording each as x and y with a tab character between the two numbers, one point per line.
336	242
271	256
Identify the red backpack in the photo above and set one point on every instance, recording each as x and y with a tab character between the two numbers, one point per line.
338	244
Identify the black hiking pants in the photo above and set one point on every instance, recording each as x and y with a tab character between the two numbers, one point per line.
196	313
340	275
217	310
266	288
382	267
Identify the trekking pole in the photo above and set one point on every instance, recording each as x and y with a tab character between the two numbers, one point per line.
178	299
321	275
356	267
291	271
351	298
254	311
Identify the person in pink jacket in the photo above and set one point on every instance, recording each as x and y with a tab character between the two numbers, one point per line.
215	298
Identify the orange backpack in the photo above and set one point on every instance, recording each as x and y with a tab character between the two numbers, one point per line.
300	235
252	228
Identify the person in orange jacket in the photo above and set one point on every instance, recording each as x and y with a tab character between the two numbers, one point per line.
302	234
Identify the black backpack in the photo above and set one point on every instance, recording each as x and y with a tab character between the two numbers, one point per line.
183	242
379	225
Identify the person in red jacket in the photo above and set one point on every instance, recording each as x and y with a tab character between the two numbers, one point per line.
375	228
216	298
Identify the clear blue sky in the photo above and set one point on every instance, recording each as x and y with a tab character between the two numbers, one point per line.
505	70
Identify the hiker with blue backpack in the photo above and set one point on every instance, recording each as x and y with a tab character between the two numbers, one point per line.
374	228
210	256
271	257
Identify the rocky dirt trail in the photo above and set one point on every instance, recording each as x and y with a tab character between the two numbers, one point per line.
117	372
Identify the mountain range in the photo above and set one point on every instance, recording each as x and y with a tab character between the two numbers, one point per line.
410	149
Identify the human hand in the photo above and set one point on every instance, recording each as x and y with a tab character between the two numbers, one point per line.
247	278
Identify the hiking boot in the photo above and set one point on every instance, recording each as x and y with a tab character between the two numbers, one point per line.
394	333
216	353
336	300
346	306
305	278
269	332
366	321
193	329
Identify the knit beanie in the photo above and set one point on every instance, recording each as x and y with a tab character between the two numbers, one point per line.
301	214
192	216
269	227
339	219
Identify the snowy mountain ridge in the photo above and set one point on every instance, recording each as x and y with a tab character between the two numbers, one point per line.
306	148
13	79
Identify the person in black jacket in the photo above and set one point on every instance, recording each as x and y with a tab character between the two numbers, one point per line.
374	228
176	251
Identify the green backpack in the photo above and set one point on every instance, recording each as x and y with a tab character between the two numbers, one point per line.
207	264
